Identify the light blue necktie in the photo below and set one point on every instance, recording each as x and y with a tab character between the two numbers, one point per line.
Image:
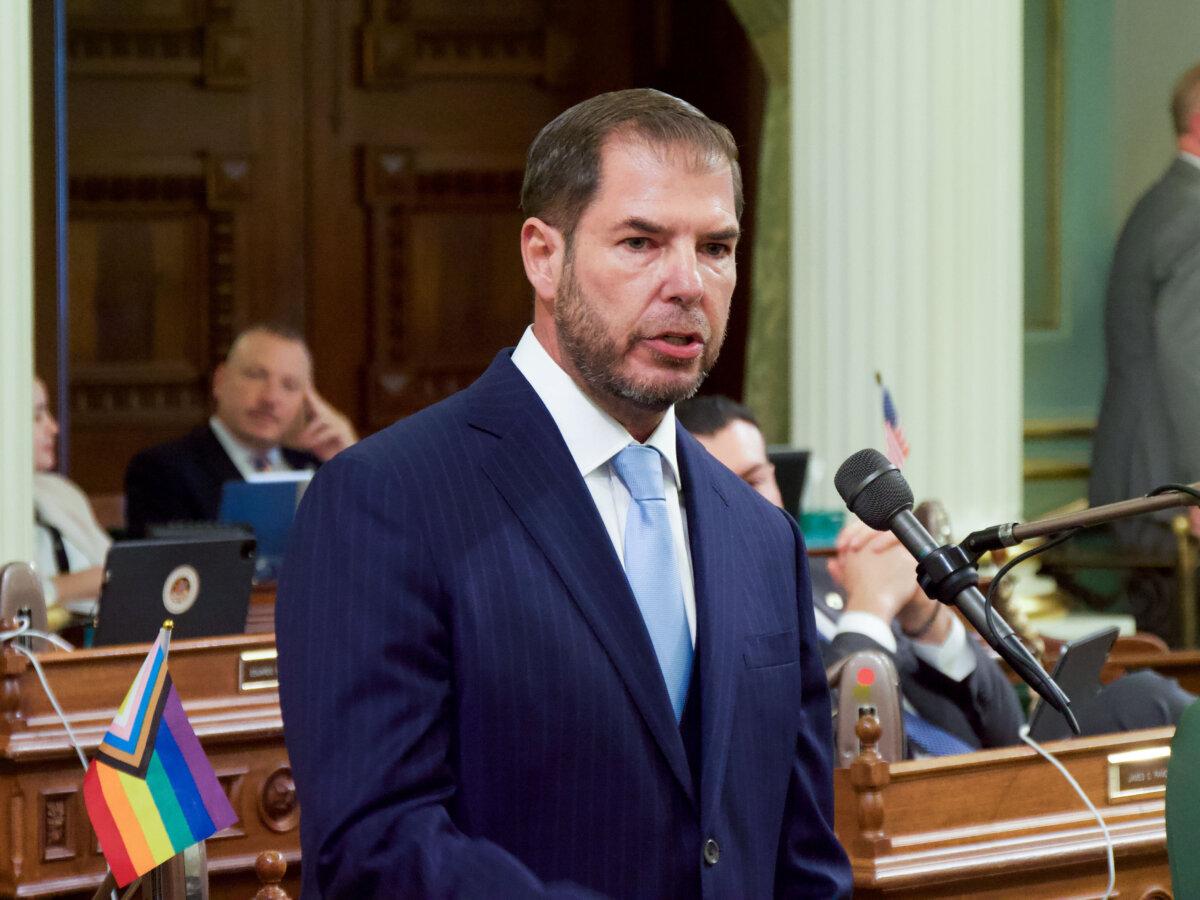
652	569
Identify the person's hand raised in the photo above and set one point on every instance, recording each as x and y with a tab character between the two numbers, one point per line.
876	573
326	431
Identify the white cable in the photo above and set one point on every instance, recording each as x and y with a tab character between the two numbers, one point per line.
23	629
1108	842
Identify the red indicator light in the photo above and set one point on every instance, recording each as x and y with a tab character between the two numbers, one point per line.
866	677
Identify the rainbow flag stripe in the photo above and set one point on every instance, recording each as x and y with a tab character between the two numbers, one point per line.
150	791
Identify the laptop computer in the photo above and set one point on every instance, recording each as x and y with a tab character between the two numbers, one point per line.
791	469
266	504
202	584
1078	674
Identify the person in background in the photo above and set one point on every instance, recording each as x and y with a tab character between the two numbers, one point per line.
956	697
69	544
268	417
1148	431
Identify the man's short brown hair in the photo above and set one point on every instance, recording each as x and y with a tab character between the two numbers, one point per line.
1185	100
562	170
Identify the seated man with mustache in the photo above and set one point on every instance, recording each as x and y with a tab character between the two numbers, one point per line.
262	393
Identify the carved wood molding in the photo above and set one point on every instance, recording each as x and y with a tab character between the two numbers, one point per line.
500	41
188	39
108	395
397	188
135	193
59	824
393	178
213	188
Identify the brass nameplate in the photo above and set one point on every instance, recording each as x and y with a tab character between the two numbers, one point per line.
1138	773
258	670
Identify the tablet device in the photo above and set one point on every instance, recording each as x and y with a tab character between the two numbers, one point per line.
1078	674
266	504
203	585
791	469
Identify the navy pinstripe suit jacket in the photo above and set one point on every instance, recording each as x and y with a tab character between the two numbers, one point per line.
472	704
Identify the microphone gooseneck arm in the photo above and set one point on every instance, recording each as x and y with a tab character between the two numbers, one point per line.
1009	535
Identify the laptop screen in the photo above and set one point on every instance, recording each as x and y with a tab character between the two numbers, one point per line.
266	504
202	584
791	469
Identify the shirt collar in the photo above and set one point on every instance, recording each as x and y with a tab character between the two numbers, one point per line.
1190	158
241	455
593	437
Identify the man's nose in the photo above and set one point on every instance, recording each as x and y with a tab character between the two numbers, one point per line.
271	394
683	281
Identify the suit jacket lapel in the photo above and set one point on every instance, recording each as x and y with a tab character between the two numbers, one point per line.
220	469
719	630
534	472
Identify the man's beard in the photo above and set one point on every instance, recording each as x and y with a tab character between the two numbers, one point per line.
597	358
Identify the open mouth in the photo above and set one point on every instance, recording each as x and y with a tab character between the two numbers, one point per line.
677	344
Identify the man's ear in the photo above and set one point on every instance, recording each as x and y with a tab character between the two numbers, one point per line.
542	249
218	379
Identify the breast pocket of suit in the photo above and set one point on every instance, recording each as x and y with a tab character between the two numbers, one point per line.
773	650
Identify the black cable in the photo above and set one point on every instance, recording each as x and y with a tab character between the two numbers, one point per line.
994	587
1180	488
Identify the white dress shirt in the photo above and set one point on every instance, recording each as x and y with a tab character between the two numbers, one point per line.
593	438
1190	157
952	657
242	456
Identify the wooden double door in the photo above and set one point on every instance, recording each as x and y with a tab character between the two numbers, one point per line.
350	167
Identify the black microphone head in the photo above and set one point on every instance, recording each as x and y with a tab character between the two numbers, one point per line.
873	489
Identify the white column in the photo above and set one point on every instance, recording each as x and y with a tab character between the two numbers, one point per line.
906	241
16	287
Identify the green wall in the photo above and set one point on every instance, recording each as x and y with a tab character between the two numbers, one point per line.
1064	351
1120	60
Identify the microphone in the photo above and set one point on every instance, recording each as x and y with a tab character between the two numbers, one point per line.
875	491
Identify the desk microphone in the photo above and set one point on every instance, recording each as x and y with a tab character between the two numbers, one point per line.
875	491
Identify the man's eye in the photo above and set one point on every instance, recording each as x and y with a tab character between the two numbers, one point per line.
637	243
715	249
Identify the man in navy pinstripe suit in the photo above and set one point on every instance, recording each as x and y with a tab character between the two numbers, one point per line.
476	698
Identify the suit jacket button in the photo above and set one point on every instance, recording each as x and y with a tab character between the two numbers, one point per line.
712	852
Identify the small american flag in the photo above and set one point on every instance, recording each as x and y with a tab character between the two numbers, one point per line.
895	444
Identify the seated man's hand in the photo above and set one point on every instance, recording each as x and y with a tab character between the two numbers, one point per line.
875	571
327	431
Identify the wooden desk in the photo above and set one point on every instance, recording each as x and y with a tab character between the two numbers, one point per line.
47	847
1000	823
260	615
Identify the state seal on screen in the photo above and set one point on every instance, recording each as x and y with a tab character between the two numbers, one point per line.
181	589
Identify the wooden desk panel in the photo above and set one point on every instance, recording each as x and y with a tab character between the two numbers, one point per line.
47	847
999	823
1182	665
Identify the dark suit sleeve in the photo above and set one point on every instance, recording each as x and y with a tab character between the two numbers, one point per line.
982	709
152	494
811	861
1177	336
366	687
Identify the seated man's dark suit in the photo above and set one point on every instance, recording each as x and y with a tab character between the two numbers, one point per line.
981	710
473	706
181	480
